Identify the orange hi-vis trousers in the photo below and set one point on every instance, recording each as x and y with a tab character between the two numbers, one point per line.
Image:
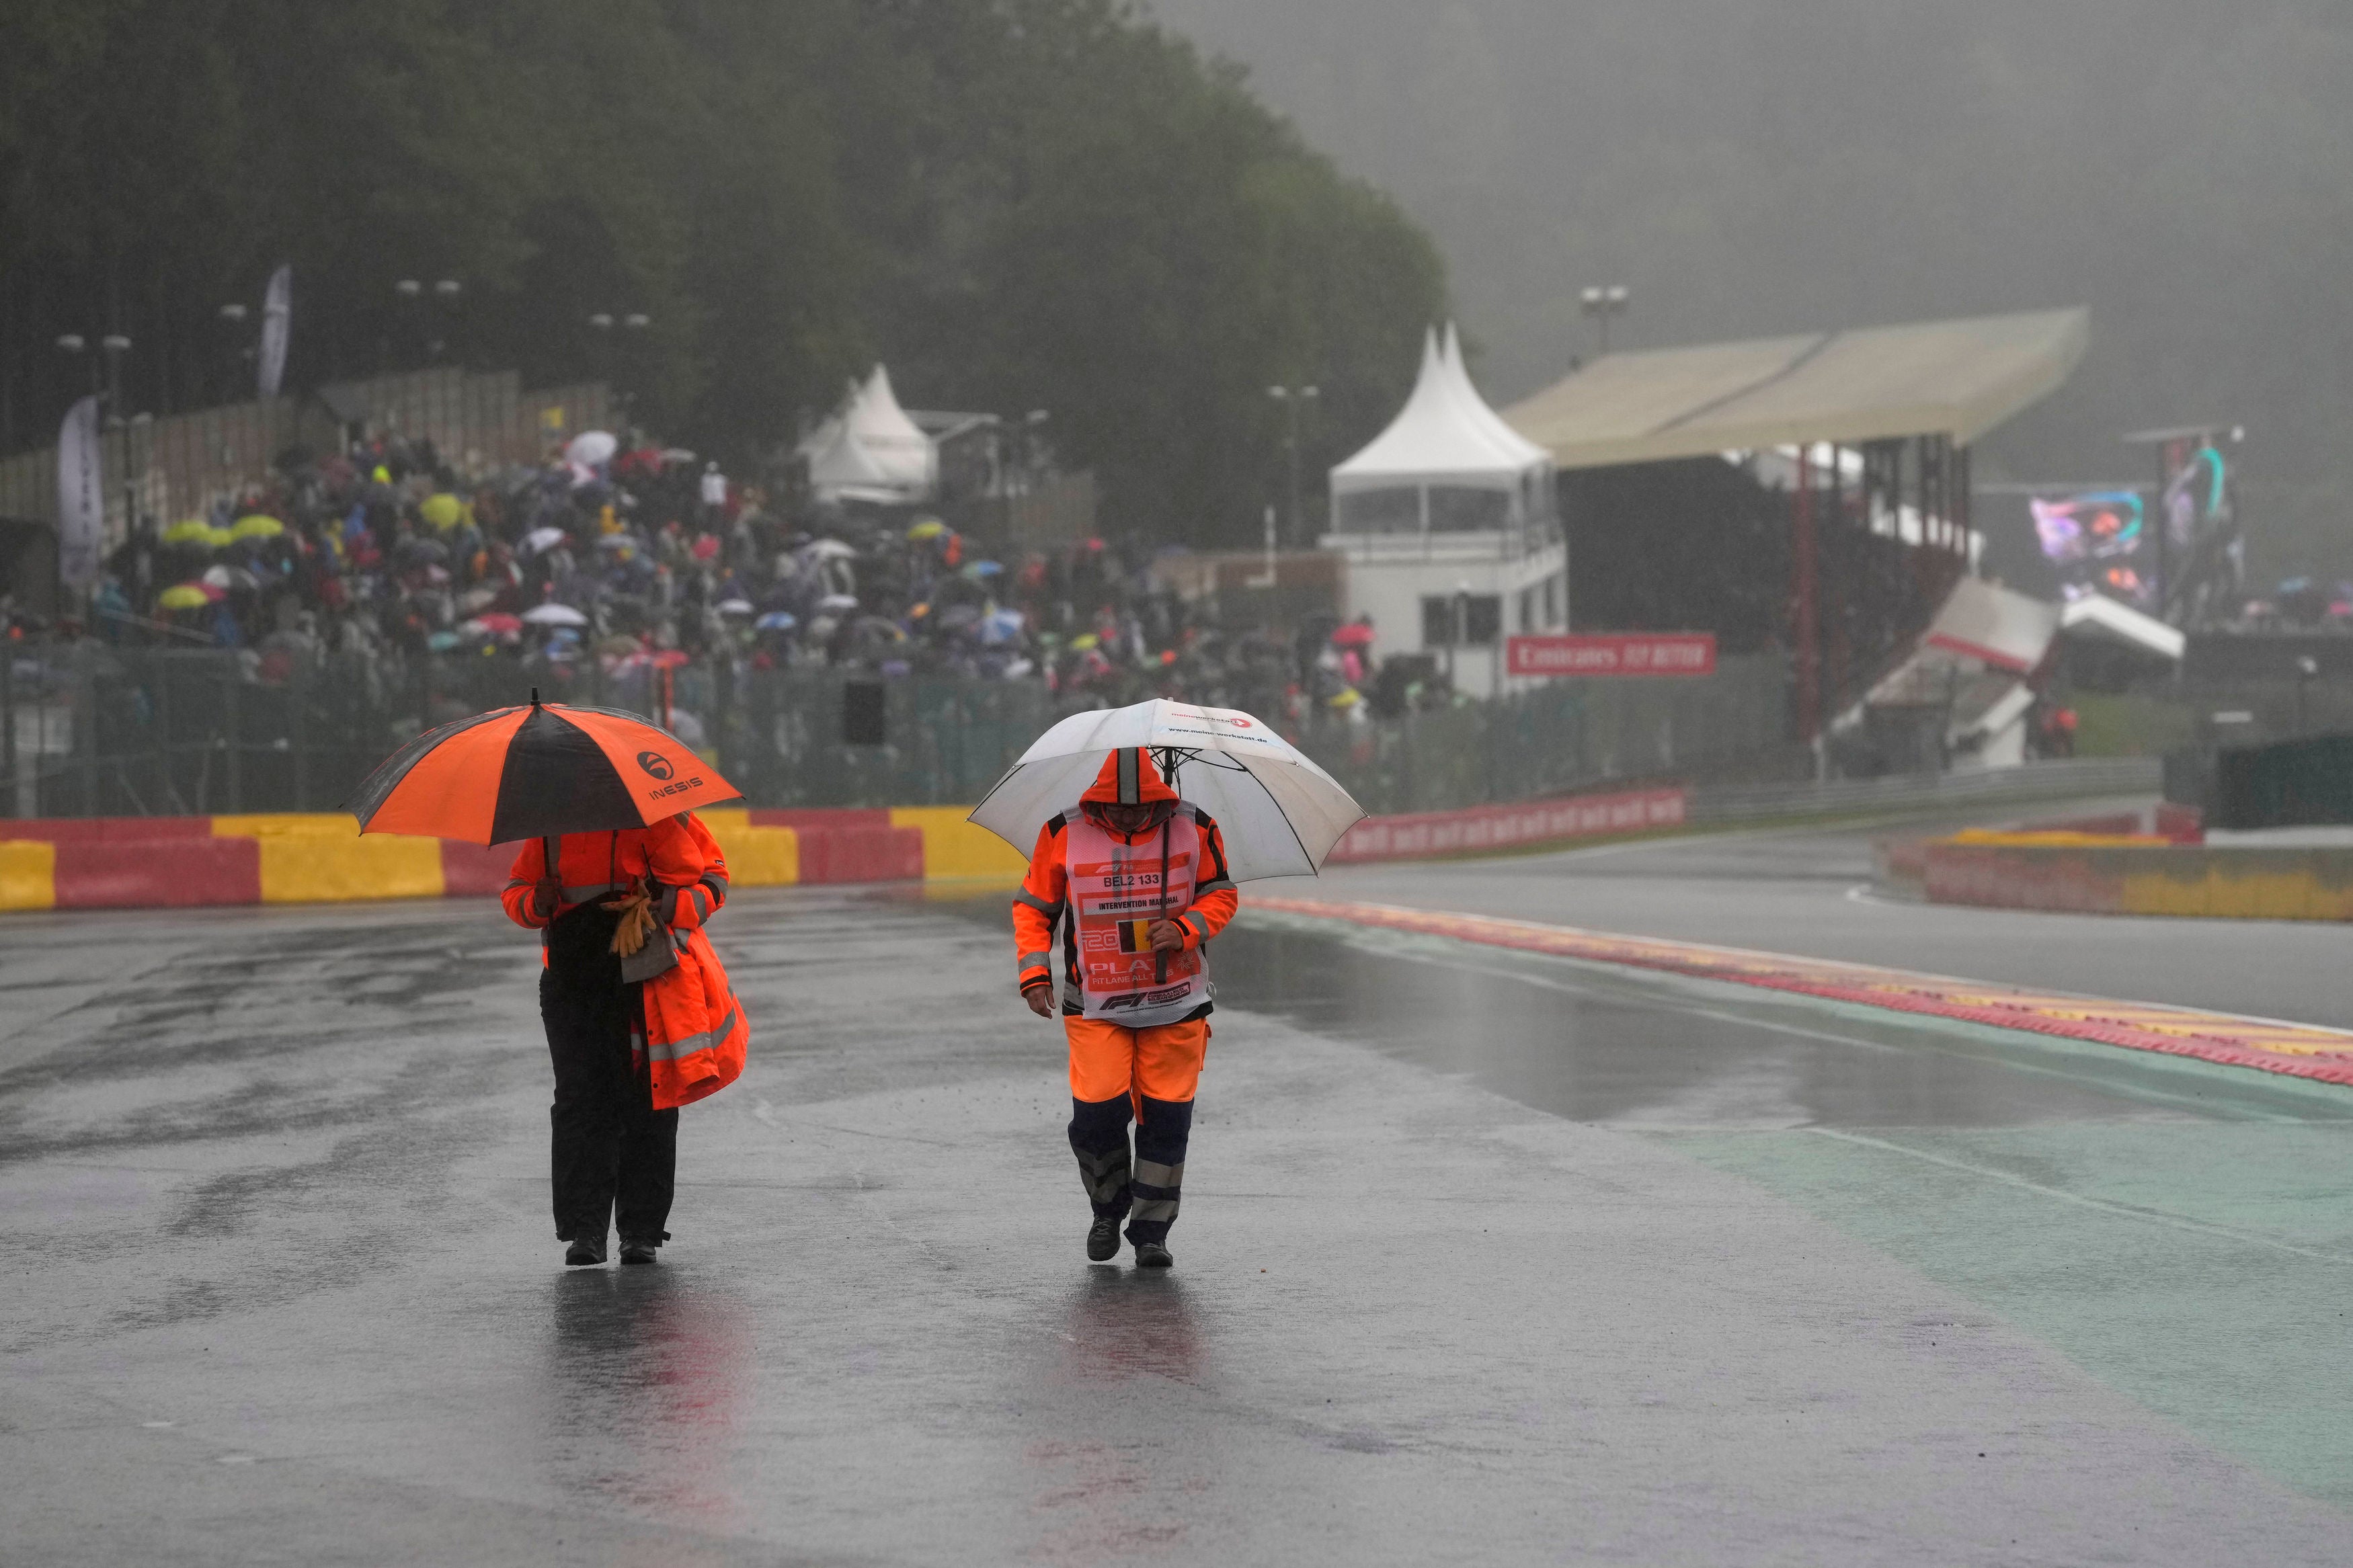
1108	1060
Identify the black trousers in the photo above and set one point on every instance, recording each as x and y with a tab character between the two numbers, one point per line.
1145	1187
614	1158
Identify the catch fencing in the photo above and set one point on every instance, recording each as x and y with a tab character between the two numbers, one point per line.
87	729
1567	736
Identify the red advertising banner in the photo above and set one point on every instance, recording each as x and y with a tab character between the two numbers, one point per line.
1480	828
1612	653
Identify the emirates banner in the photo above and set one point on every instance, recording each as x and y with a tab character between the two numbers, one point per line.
81	496
1612	653
276	322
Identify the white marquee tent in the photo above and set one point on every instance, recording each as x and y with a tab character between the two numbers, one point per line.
871	451
1447	463
1459	377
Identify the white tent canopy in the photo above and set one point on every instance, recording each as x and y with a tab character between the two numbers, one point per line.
2000	627
1467	397
871	451
2095	618
1447	463
842	469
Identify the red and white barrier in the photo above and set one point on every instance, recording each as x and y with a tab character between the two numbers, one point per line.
1480	828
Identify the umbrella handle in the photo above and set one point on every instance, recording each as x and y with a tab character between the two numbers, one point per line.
1160	955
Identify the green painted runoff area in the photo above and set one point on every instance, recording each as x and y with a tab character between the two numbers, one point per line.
2204	1269
2189	1243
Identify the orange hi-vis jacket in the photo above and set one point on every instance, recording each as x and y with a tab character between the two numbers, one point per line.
697	1036
1044	897
678	856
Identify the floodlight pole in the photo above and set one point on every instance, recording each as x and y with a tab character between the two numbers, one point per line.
1293	398
1601	303
1802	548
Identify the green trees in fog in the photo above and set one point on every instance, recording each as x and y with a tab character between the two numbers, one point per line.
1024	204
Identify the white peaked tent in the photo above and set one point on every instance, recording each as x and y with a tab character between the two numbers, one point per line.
841	469
871	451
1459	377
1447	463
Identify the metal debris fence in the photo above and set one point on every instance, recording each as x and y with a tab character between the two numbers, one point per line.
87	729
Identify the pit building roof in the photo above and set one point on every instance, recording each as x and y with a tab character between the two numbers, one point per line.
1959	378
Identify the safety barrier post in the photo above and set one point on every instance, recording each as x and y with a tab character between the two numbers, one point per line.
298	691
1802	610
8	729
85	731
233	740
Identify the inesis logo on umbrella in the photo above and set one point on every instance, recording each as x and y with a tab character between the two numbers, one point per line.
659	766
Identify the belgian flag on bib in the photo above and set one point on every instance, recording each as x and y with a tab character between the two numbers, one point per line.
1135	936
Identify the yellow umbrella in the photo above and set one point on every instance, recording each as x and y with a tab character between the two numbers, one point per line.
184	596
220	538
1081	643
929	528
442	511
254	525
189	530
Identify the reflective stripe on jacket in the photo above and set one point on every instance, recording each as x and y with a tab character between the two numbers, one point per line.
697	1034
677	855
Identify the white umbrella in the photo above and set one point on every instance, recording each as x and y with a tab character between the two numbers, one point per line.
554	616
1281	814
834	603
830	550
591	448
540	539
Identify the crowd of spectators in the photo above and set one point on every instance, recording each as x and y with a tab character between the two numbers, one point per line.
605	571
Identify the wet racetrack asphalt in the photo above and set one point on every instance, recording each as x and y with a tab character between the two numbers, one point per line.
1486	1257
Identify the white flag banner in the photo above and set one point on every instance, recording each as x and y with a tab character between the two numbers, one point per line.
81	495
276	322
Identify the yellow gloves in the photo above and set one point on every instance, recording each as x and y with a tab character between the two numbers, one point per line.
637	922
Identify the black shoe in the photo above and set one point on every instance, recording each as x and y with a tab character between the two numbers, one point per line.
583	1251
1151	1255
634	1252
1102	1241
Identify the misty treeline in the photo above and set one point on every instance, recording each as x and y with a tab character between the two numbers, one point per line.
1019	204
2183	167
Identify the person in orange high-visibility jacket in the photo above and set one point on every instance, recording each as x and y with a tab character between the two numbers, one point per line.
1136	879
627	1052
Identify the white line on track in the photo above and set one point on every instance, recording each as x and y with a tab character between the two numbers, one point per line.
2134	1211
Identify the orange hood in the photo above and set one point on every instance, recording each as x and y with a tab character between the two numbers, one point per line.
1128	778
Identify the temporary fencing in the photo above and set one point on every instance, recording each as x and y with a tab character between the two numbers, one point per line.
89	729
1566	737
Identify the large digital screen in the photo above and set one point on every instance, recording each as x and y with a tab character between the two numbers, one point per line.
2098	541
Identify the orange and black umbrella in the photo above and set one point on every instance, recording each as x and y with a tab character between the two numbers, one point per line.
535	772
